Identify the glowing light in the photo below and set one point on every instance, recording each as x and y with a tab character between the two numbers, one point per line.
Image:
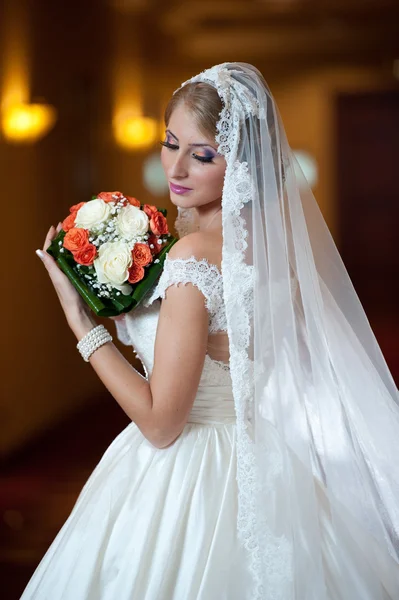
309	166
135	133
16	55
21	122
27	123
161	129
154	176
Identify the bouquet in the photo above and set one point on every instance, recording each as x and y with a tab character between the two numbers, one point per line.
112	249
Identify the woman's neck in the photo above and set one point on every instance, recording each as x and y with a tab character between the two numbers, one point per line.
210	220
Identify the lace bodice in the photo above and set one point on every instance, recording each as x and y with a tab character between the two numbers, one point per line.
138	328
202	274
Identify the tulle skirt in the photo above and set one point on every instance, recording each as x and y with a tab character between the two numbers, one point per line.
152	524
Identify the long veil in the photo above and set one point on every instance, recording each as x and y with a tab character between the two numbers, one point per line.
317	408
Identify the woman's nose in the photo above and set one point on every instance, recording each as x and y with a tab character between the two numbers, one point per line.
178	168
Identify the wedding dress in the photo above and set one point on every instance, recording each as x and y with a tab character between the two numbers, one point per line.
158	524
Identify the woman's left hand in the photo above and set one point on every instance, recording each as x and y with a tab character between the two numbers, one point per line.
71	301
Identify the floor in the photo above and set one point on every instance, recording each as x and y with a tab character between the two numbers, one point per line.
40	485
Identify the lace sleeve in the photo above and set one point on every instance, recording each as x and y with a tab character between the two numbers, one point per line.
204	275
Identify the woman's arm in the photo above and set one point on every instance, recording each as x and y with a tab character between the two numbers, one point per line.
159	407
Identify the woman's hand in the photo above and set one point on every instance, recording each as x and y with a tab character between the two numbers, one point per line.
71	301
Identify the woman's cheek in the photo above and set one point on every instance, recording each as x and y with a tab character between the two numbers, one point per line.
164	161
217	181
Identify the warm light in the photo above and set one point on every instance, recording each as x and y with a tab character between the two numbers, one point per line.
308	165
135	133
161	129
15	65
154	175
27	123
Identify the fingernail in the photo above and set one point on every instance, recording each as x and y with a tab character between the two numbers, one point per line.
40	254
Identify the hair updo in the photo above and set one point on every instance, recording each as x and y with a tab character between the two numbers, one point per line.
203	102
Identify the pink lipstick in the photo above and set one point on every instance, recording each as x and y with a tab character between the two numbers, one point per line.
178	189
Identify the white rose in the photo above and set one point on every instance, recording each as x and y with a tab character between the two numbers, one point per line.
113	263
92	214
131	222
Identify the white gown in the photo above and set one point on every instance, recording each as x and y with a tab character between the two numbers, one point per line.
158	524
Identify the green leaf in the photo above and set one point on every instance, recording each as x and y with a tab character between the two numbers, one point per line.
90	297
117	304
153	272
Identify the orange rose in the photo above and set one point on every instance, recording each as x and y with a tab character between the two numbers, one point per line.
76	239
136	273
154	241
141	254
158	224
150	210
75	207
86	255
109	196
133	201
69	222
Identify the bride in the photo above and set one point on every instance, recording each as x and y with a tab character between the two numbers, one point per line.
261	461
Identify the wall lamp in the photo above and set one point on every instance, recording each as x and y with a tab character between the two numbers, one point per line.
27	123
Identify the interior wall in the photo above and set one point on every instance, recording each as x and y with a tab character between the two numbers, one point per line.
43	376
306	101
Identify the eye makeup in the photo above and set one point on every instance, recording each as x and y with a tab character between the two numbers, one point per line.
169	145
204	155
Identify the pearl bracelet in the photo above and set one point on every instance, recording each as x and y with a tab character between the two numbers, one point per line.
95	338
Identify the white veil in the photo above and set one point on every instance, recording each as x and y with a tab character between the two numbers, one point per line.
317	408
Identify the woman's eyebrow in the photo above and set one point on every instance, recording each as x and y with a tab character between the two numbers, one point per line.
195	145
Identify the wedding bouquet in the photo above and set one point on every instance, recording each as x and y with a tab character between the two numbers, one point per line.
112	249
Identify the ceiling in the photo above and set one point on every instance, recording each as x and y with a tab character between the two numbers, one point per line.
272	31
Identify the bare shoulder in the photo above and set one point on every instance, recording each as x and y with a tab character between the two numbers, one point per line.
200	244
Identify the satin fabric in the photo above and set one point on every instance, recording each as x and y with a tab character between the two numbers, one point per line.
213	405
155	524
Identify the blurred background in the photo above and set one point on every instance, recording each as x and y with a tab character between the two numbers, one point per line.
83	86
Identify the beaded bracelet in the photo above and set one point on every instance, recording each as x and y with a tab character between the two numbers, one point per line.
95	338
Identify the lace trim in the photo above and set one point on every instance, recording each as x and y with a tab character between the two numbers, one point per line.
205	276
215	372
270	556
220	363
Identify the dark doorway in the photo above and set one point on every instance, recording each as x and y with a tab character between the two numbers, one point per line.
368	196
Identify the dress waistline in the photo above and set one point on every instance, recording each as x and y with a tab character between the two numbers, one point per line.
213	405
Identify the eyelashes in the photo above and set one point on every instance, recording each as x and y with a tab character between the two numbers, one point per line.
203	159
168	145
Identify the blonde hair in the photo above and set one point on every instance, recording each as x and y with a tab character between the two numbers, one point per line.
204	103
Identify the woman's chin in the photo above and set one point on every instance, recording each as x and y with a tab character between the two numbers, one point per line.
180	201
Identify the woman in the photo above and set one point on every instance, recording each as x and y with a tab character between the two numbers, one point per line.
259	463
